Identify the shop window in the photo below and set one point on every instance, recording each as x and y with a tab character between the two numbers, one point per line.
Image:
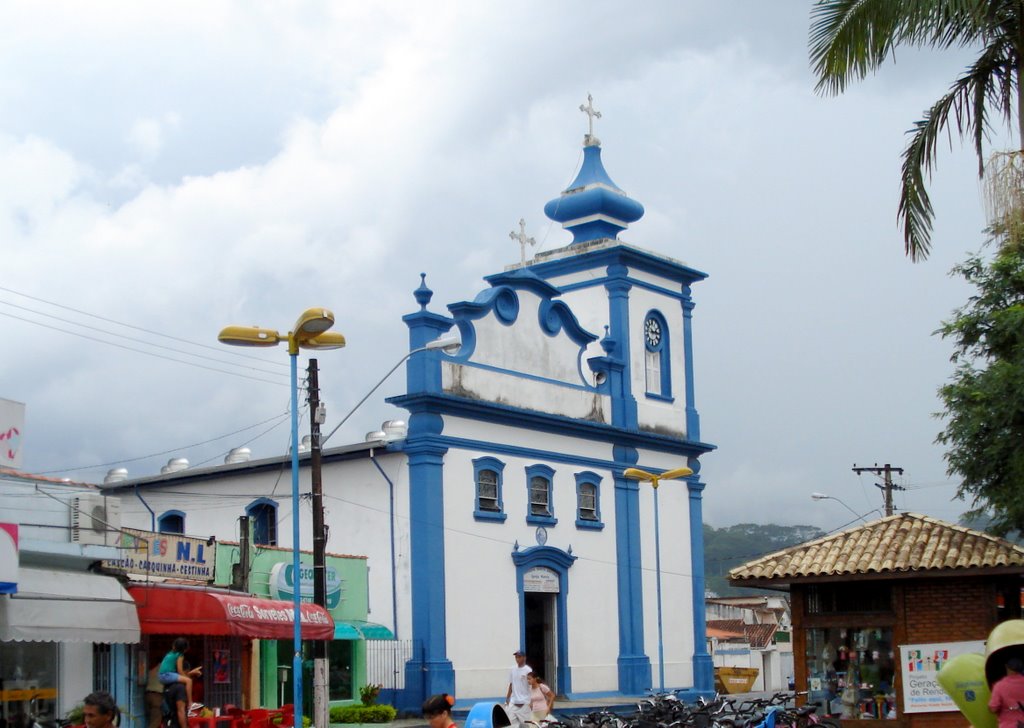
850	672
588	500
28	668
846	598
540	511
263	516
487	474
339	667
171	522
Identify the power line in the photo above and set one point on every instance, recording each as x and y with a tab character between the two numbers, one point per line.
280	417
132	338
137	328
141	351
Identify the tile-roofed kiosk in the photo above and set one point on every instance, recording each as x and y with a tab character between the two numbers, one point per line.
878	608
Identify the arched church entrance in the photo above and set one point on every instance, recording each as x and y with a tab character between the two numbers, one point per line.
540	598
543	585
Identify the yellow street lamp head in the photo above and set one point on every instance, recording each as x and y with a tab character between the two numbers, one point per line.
643	475
326	340
249	336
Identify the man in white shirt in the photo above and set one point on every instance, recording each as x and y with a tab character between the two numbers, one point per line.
517	699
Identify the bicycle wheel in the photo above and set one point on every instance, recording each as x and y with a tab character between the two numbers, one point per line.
830	723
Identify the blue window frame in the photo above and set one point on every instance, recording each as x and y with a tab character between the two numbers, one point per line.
487	475
588	500
540	493
171	522
263	517
657	370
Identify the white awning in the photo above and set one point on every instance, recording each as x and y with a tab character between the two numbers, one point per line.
68	606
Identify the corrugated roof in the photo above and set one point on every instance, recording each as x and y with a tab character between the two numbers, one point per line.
906	542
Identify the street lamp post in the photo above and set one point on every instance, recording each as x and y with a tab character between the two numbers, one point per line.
823	496
655	481
310	332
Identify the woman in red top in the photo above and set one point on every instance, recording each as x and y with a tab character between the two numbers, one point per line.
1008	694
437	709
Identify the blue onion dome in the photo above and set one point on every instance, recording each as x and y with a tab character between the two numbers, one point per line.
593	207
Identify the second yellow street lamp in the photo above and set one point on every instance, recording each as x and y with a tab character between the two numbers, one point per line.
310	332
655	481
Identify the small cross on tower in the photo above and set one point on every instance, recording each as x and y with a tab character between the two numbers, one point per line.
592	114
520	237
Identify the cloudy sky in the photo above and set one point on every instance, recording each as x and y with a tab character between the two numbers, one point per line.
178	167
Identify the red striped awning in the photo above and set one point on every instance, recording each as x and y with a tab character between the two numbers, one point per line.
182	610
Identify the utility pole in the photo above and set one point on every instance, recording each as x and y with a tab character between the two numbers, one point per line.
888	487
321	711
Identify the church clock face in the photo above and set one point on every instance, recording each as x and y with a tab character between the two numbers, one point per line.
652	332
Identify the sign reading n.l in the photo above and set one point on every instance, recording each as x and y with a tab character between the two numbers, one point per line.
8	558
165	554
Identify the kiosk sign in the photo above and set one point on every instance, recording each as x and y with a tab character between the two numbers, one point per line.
165	554
920	665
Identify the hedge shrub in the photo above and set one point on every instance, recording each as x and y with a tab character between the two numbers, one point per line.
363	714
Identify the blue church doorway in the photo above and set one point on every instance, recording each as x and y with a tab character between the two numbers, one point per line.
542	636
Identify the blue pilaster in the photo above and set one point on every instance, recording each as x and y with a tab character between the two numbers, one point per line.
692	418
703	668
429	671
633	664
624	413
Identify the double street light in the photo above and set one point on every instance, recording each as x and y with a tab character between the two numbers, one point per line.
311	331
655	481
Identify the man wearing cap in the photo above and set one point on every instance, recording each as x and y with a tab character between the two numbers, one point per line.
517	699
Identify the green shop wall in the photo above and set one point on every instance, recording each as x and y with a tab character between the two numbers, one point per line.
347	601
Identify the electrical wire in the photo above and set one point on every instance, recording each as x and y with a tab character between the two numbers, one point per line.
137	328
137	340
141	351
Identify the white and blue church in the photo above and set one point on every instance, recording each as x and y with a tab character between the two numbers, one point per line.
503	519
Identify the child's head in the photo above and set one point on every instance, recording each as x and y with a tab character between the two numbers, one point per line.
180	645
437	706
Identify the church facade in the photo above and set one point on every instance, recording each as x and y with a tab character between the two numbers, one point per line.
504	518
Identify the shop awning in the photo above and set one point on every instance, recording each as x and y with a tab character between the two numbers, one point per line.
196	610
68	606
355	629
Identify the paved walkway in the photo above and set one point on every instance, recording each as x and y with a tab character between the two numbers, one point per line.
617	703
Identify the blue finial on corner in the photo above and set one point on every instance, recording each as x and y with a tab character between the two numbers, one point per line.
423	294
593	206
607	343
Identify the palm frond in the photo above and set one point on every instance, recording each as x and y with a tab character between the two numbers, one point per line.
985	82
850	38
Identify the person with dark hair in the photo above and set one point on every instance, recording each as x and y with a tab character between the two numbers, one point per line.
517	698
173	670
542	698
1008	694
437	709
100	710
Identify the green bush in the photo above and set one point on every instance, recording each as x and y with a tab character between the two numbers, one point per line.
363	714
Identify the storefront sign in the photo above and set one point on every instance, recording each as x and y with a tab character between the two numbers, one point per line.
920	667
165	554
282	585
541	579
8	558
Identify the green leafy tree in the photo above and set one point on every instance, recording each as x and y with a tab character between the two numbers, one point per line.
984	399
849	38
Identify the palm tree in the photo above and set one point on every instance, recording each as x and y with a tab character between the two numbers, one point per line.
849	38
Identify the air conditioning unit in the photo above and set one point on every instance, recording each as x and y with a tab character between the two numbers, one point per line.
95	520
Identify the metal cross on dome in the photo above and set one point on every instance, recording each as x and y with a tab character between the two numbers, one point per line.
520	237
591	113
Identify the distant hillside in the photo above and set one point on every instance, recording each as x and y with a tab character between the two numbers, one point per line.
728	547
